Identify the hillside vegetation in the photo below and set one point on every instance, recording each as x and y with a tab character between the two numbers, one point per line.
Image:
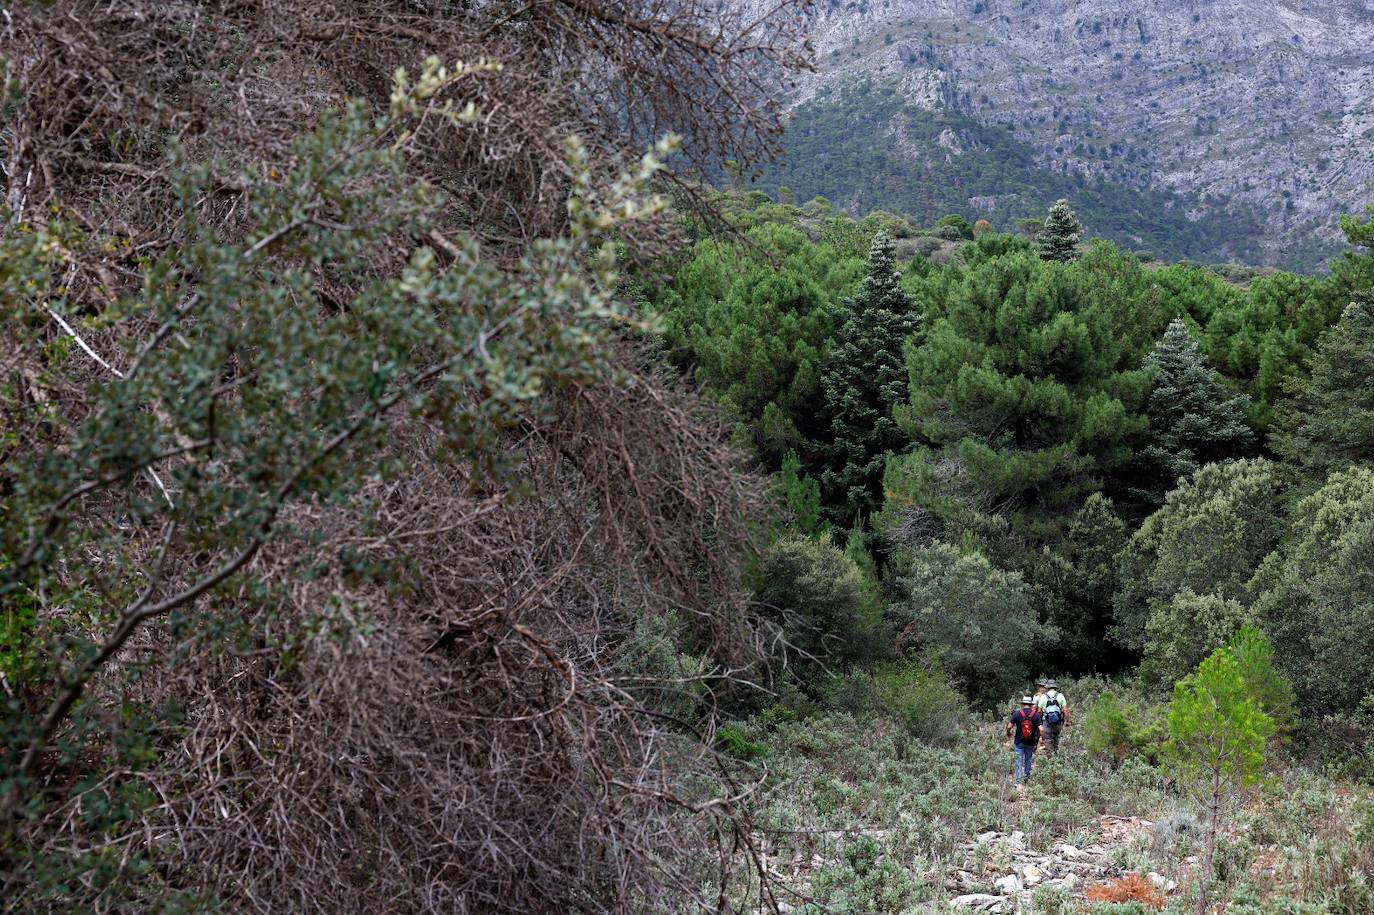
1086	465
419	493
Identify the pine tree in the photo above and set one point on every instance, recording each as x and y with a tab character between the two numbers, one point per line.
864	377
1058	240
1027	388
1194	418
1216	743
800	498
1330	421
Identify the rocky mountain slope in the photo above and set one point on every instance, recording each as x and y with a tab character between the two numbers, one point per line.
1257	114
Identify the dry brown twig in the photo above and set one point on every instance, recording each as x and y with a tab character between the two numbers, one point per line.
460	733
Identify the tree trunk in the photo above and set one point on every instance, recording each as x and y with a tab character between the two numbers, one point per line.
1210	846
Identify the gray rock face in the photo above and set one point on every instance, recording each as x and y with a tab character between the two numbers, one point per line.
1268	103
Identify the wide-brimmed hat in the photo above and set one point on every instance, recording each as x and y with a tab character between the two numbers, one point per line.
1043	682
1052	684
1027	700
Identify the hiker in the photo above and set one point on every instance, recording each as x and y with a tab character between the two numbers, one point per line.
1054	713
1024	731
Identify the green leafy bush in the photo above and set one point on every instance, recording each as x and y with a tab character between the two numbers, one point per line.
733	743
1117	729
979	619
822	601
919	695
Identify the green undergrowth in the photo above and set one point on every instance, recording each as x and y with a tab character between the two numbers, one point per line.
861	816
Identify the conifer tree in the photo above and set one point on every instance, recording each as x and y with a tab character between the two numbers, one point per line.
1194	418
1330	421
1027	387
864	377
1216	742
1058	240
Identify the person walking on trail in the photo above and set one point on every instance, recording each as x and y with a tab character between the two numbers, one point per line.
1054	714
1024	731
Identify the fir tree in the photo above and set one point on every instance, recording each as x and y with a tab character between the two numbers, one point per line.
1330	422
1194	418
1058	240
864	377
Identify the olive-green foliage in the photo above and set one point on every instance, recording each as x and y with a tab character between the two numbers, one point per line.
1096	535
1194	418
920	696
1330	422
1315	595
979	619
863	378
882	222
1116	728
755	332
1209	538
1183	630
961	225
822	601
1059	236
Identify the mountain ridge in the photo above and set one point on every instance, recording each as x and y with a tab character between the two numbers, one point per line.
1226	107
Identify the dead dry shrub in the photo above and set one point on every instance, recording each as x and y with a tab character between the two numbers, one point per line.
1130	888
421	694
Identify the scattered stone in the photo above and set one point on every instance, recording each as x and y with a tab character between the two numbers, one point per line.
1032	874
1018	839
986	837
784	908
978	902
1009	885
1156	879
1070	882
1064	850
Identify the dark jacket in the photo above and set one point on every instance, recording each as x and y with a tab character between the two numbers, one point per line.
1020	715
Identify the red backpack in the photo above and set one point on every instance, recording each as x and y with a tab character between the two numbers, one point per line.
1027	733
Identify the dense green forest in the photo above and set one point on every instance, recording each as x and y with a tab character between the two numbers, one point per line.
1121	444
908	168
1086	466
